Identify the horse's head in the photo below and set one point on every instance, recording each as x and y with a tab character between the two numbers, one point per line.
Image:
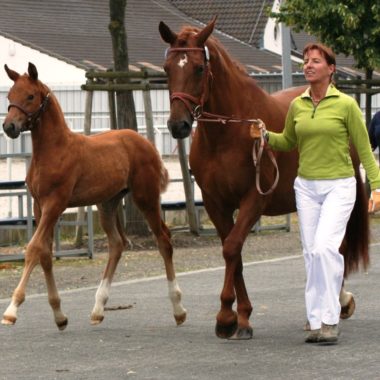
188	71
27	100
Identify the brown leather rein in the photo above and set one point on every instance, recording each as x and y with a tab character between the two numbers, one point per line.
32	117
195	107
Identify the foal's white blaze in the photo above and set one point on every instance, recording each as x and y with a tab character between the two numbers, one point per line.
182	62
101	297
175	296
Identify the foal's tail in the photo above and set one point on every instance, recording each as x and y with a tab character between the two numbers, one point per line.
354	247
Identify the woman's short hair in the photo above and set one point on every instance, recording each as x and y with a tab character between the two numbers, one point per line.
325	51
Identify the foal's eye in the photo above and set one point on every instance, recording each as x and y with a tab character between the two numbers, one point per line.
30	97
199	70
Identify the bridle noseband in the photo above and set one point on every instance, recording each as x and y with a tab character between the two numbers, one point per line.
32	117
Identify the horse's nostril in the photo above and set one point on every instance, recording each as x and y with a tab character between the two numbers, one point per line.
11	130
179	129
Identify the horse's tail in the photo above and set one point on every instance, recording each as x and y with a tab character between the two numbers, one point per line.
354	247
164	176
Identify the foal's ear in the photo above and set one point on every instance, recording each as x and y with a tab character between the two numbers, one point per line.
166	34
205	32
12	74
32	71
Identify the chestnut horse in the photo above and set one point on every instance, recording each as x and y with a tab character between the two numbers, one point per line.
206	85
70	170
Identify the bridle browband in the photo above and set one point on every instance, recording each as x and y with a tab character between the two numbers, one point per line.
199	114
32	117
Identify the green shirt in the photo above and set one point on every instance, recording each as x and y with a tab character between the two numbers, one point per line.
322	135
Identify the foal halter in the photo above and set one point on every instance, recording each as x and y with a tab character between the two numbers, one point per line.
32	117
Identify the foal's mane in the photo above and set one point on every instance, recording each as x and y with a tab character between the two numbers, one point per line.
215	48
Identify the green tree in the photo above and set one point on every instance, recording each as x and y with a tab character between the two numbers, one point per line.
350	27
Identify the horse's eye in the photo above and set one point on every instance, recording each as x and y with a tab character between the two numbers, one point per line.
199	70
30	97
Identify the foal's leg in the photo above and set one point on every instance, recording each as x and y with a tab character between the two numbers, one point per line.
39	249
116	243
147	200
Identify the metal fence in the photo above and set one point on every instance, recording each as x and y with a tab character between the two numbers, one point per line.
72	101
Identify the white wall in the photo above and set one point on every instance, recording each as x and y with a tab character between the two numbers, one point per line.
50	70
272	33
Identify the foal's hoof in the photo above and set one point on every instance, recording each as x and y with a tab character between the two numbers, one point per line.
180	319
62	324
226	332
96	319
347	310
242	334
8	320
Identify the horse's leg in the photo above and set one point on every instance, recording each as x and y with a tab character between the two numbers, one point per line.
39	249
116	243
347	303
227	320
228	323
147	200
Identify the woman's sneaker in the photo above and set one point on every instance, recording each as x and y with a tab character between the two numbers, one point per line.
313	336
329	334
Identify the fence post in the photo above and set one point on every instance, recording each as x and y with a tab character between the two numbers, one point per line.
87	132
188	187
148	109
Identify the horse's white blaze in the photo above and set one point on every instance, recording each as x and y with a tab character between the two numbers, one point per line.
175	296
182	62
101	297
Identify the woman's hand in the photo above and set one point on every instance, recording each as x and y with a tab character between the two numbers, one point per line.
257	129
374	201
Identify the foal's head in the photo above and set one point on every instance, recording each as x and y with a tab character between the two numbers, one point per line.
187	68
27	100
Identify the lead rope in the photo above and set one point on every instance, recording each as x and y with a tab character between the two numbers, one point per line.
257	151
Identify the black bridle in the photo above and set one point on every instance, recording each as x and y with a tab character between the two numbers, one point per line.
32	117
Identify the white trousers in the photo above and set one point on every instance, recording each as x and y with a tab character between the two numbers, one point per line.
324	208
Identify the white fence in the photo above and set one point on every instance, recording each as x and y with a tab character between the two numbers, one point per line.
72	100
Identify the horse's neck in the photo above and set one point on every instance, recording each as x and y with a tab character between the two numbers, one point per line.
52	130
234	93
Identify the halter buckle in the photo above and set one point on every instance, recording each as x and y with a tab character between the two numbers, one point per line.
197	112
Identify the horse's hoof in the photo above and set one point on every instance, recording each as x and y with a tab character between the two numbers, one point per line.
180	319
8	320
62	324
96	319
226	332
347	310
243	334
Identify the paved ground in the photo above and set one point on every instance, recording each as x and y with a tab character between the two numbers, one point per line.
144	343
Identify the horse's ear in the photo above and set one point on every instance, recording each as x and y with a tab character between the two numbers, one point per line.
205	32
12	74
32	71
166	34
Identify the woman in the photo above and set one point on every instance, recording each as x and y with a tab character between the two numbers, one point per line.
320	122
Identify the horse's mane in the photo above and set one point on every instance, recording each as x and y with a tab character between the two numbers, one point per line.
215	46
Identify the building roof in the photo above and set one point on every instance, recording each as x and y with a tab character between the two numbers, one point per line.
76	31
243	19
